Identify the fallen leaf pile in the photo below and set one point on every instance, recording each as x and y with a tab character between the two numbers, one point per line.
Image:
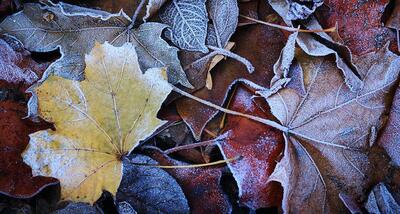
199	106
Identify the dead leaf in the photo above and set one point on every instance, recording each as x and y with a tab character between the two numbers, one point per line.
97	122
152	7
42	34
76	208
228	72
328	127
150	189
259	146
200	185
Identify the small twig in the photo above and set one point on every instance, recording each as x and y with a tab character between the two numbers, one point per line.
291	29
232	55
212	134
187	166
212	105
136	14
192	146
398	40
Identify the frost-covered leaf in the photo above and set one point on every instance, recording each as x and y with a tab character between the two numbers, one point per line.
297	9
97	121
380	200
188	21
201	185
224	15
327	141
75	30
323	46
259	147
390	137
16	66
77	208
150	189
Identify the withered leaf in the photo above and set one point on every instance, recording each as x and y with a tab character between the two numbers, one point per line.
328	127
76	208
74	30
97	121
152	7
380	200
259	146
188	21
150	189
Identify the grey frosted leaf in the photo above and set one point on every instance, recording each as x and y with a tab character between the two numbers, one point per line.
125	208
380	200
188	20
301	9
46	27
78	208
150	189
157	52
224	15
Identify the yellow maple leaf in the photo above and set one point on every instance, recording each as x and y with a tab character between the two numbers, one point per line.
97	121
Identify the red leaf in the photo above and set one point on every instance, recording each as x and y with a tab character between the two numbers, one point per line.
16	179
200	185
261	45
359	24
260	147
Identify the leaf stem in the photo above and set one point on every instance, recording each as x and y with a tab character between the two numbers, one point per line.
291	29
191	146
136	14
212	105
232	55
188	166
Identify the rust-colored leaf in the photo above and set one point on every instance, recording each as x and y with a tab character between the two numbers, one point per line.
16	179
359	24
260	147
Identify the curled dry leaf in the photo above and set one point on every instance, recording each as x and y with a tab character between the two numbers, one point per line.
259	146
328	126
188	21
97	121
152	7
200	185
150	189
228	72
74	30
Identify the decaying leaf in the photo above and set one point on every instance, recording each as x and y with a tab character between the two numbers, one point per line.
328	126
188	21
97	121
74	30
259	146
394	21
76	208
150	189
